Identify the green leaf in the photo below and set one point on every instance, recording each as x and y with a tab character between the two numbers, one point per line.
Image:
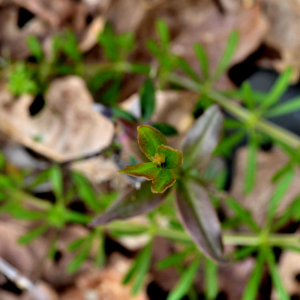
70	47
185	282
85	190
122	114
244	252
276	279
148	170
149	139
211	280
56	181
200	219
247	95
147	95
227	144
165	179
227	55
2	161
76	217
279	193
139	269
163	33
140	68
35	47
173	260
20	80
32	234
165	129
173	158
116	46
187	69
284	108
143	267
79	259
253	283
278	89
76	244
203	60
203	137
130	204
243	214
251	166
100	255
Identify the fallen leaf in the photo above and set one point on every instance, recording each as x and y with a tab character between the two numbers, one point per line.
67	128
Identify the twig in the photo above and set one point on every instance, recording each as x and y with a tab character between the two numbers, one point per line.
15	276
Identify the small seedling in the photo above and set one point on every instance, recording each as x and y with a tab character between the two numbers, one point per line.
164	160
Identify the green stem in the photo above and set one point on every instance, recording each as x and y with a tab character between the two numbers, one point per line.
272	240
240	113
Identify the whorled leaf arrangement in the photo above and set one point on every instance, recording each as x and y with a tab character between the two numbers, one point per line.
163	160
193	204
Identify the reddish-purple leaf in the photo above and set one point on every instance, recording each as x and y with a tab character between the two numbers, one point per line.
203	137
133	203
148	170
199	218
149	139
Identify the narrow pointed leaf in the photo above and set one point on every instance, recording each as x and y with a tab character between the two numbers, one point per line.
278	194
250	175
173	260
85	190
284	108
149	170
276	279
144	264
163	33
165	129
149	139
203	137
187	69
278	89
243	214
254	280
173	158
227	55
247	95
56	180
185	282
211	280
132	203
35	47
200	219
203	60
32	234
147	95
164	180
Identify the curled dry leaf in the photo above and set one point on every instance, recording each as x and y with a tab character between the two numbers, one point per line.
199	218
132	203
67	128
100	169
203	137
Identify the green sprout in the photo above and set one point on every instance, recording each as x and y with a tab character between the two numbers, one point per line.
163	160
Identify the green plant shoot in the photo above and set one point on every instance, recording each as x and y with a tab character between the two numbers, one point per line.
163	160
